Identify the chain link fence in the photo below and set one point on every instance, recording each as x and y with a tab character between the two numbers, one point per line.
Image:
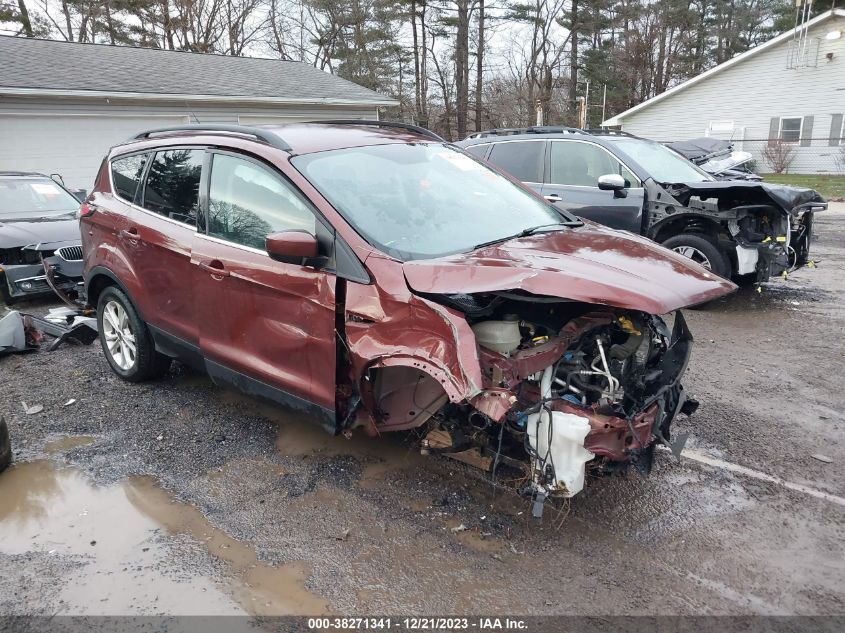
817	162
807	156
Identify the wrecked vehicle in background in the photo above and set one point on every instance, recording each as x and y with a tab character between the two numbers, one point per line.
40	246
737	229
375	278
718	158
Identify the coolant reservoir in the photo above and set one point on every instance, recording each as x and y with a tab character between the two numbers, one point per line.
500	336
563	448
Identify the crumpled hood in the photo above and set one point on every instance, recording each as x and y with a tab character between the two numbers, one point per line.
747	192
592	264
52	232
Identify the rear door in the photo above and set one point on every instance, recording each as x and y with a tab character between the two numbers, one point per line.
574	167
265	327
118	188
521	159
158	235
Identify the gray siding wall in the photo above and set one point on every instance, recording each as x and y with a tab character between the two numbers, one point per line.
71	136
755	91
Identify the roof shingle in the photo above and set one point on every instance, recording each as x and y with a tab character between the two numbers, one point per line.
67	66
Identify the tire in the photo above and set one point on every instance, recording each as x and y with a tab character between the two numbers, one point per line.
126	339
701	249
5	446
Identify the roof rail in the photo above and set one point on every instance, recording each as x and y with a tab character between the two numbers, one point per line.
534	129
265	136
402	126
608	132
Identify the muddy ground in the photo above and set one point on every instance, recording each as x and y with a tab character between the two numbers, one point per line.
177	497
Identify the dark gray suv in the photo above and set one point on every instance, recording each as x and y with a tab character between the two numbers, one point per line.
740	229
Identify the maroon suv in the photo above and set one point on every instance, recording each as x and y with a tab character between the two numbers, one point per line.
376	277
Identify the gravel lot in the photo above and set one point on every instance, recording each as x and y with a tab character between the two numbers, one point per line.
178	497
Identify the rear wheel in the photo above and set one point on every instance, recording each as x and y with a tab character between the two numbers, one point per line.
126	339
702	250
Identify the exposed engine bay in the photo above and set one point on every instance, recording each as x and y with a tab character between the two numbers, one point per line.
568	388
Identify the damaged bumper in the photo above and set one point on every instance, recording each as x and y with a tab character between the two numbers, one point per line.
31	280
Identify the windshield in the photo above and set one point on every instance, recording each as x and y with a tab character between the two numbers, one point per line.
661	163
34	199
418	201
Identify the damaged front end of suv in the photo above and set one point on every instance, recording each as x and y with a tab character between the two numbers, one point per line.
764	229
503	332
556	375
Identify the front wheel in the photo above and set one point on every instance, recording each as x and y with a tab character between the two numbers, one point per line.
702	250
126	340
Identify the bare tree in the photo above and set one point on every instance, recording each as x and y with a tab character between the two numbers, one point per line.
479	68
778	155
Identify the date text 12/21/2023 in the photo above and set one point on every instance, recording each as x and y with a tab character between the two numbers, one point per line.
422	623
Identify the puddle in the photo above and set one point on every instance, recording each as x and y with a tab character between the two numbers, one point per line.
298	437
129	538
68	443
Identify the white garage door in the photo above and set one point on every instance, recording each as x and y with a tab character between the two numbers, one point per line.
73	146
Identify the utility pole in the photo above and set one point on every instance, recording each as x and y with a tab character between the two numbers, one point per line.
604	104
585	122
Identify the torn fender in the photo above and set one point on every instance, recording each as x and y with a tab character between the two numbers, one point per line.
388	326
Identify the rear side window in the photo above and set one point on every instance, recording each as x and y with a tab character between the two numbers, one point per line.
247	202
173	184
126	174
478	150
521	159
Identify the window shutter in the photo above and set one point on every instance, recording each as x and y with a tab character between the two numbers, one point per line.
835	130
807	131
774	128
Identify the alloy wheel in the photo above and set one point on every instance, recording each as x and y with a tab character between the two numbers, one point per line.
120	339
695	255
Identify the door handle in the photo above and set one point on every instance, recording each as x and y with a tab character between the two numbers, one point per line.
553	197
215	267
130	233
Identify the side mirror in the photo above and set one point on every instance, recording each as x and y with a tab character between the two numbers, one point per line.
292	247
614	183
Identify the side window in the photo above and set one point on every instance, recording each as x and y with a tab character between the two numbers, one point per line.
581	164
126	174
173	184
522	159
247	202
478	150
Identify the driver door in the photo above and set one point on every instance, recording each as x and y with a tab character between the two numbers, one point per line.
265	327
572	184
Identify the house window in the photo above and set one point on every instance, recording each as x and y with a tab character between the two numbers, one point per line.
790	129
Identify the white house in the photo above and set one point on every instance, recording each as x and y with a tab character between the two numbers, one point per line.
791	88
63	104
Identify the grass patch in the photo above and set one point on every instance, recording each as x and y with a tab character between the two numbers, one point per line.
829	185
